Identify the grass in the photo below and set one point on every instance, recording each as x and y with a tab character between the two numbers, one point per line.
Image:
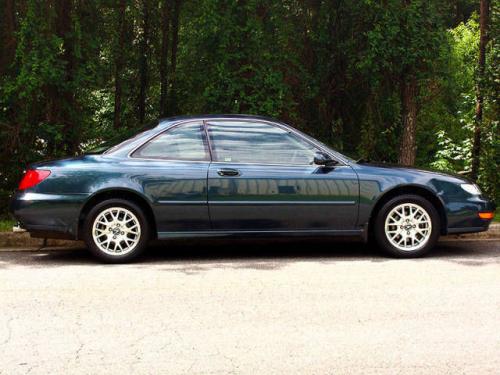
6	225
497	215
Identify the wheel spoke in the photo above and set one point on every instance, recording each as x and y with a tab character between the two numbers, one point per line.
408	226
116	230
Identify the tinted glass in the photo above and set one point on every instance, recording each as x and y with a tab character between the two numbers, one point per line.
257	142
123	139
185	142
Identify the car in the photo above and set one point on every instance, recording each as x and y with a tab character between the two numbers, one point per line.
239	175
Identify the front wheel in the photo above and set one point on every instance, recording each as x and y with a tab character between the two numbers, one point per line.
116	231
407	226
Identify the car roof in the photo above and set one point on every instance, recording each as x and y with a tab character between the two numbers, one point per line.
164	122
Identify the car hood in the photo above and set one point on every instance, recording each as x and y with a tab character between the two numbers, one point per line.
397	168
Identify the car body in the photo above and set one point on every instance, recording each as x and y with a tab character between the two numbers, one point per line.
271	189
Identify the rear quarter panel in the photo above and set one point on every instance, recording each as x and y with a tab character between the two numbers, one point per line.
175	190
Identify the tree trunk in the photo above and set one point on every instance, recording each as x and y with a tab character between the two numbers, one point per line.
62	95
483	41
165	35
143	61
8	36
8	44
408	146
119	54
173	57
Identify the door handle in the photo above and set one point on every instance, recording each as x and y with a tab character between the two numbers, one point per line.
228	172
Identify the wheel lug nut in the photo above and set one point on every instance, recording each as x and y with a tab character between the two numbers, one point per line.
114	237
408	232
122	233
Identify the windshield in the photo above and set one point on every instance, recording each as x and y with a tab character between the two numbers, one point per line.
338	154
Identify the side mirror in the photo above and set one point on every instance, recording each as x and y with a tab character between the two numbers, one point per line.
325	160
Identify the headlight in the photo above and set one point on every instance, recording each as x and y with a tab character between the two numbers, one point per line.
471	189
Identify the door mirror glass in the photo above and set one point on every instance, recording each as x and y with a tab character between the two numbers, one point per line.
320	158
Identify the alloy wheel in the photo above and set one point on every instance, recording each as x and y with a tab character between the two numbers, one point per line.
408	227
116	231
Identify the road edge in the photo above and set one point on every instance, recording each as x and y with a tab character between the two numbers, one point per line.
22	241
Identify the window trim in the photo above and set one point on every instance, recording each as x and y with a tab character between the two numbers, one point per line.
201	123
205	121
287	129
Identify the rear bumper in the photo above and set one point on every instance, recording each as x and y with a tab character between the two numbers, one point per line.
48	215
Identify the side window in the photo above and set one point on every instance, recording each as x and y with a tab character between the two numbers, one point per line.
184	142
258	142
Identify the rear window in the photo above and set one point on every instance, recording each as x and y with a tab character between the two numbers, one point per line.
184	142
123	139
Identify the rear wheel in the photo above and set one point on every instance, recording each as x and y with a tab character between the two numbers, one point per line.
407	226
116	231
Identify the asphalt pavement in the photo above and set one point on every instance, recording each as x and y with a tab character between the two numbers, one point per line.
267	307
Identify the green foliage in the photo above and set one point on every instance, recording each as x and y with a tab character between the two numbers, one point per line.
232	60
331	68
453	123
6	225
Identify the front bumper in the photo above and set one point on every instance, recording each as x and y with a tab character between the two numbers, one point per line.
48	215
463	216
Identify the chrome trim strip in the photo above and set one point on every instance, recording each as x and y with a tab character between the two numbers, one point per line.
30	196
263	203
206	121
278	164
258	203
184	203
170	160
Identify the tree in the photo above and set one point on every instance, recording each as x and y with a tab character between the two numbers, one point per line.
61	96
392	80
409	93
165	36
483	41
8	36
8	44
404	42
144	60
119	64
172	105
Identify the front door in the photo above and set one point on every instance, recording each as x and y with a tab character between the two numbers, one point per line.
262	178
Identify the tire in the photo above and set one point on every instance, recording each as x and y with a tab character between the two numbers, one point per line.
407	226
116	231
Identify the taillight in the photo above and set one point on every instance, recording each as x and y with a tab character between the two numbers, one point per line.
33	177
